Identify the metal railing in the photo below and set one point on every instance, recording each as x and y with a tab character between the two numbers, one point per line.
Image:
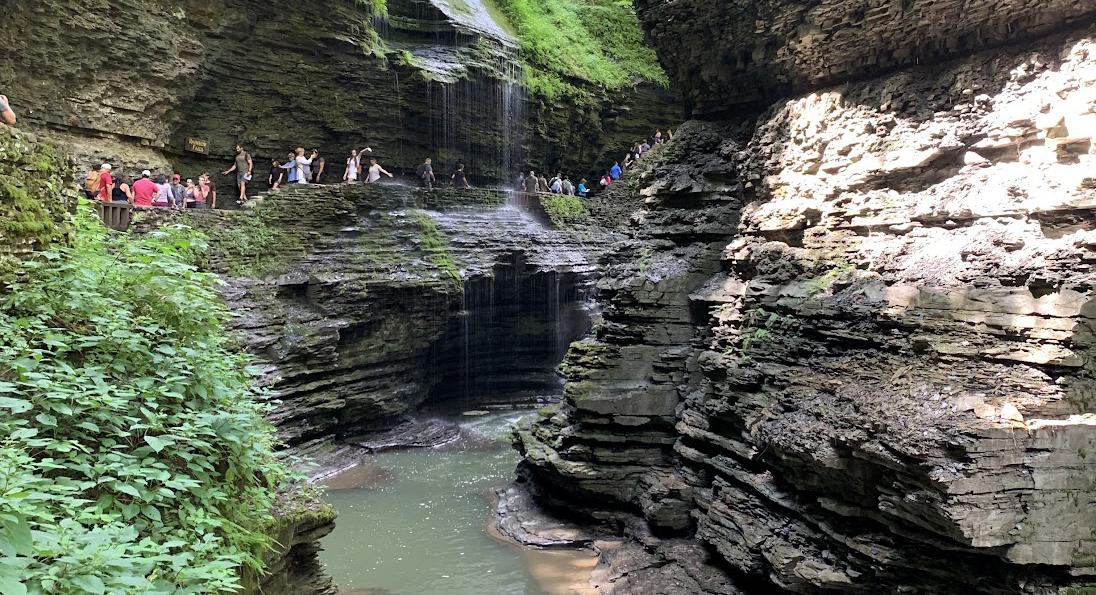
116	215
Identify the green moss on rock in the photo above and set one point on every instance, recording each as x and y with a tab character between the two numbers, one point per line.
36	200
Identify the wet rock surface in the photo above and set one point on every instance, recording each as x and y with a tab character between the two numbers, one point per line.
128	82
848	345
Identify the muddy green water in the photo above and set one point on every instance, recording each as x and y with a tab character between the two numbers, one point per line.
413	522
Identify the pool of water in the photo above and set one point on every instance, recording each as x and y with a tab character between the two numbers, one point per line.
414	522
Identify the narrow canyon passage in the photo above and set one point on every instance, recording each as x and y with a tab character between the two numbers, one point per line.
548	297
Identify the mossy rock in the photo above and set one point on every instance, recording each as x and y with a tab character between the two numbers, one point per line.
37	201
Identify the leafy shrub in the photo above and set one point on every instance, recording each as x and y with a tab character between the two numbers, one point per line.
135	457
598	41
251	245
564	209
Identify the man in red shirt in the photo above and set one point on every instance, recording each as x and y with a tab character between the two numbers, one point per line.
106	183
143	190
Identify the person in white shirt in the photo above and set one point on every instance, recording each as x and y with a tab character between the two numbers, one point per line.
353	166
375	171
304	166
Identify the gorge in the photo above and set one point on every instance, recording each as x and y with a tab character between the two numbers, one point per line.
833	337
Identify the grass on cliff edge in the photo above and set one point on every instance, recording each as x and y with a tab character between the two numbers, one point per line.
597	41
135	457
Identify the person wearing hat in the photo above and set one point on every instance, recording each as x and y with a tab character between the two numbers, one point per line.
106	183
143	190
178	192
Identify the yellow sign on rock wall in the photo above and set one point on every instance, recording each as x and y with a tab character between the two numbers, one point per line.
197	145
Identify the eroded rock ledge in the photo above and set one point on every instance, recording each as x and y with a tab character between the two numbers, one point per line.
849	348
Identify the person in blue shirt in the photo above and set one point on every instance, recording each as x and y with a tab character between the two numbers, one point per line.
615	171
582	190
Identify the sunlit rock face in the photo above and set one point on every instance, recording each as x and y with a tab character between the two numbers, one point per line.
850	347
726	54
129	82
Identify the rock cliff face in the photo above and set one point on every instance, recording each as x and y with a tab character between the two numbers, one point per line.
727	54
363	302
849	345
129	81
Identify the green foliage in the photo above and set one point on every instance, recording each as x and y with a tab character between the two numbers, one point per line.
434	243
34	197
253	244
564	209
568	41
833	272
135	458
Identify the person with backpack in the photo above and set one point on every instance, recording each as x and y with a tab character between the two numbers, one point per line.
99	185
426	175
243	166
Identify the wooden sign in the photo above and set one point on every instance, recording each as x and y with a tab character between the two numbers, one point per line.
197	145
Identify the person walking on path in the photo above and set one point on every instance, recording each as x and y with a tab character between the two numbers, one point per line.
459	179
532	182
567	187
606	181
143	190
163	196
583	191
243	166
106	183
303	166
178	192
426	175
542	184
353	167
556	185
277	174
375	171
615	171
658	137
6	113
122	192
202	192
319	166
189	194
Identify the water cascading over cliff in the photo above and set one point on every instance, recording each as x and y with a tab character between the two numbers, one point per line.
850	347
475	101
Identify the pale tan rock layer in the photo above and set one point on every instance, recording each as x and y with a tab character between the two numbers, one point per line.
849	348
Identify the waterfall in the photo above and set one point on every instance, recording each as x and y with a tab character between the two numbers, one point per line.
475	97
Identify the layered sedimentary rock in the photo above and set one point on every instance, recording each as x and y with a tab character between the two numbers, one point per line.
727	54
849	348
363	301
129	82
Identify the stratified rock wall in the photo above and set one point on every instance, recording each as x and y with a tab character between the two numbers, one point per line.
363	301
849	348
727	54
129	82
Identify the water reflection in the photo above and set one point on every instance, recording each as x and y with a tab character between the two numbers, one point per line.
413	523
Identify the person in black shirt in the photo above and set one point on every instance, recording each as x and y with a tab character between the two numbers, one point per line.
276	174
459	179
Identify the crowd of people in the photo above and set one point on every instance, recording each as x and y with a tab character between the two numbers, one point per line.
147	190
562	184
170	190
